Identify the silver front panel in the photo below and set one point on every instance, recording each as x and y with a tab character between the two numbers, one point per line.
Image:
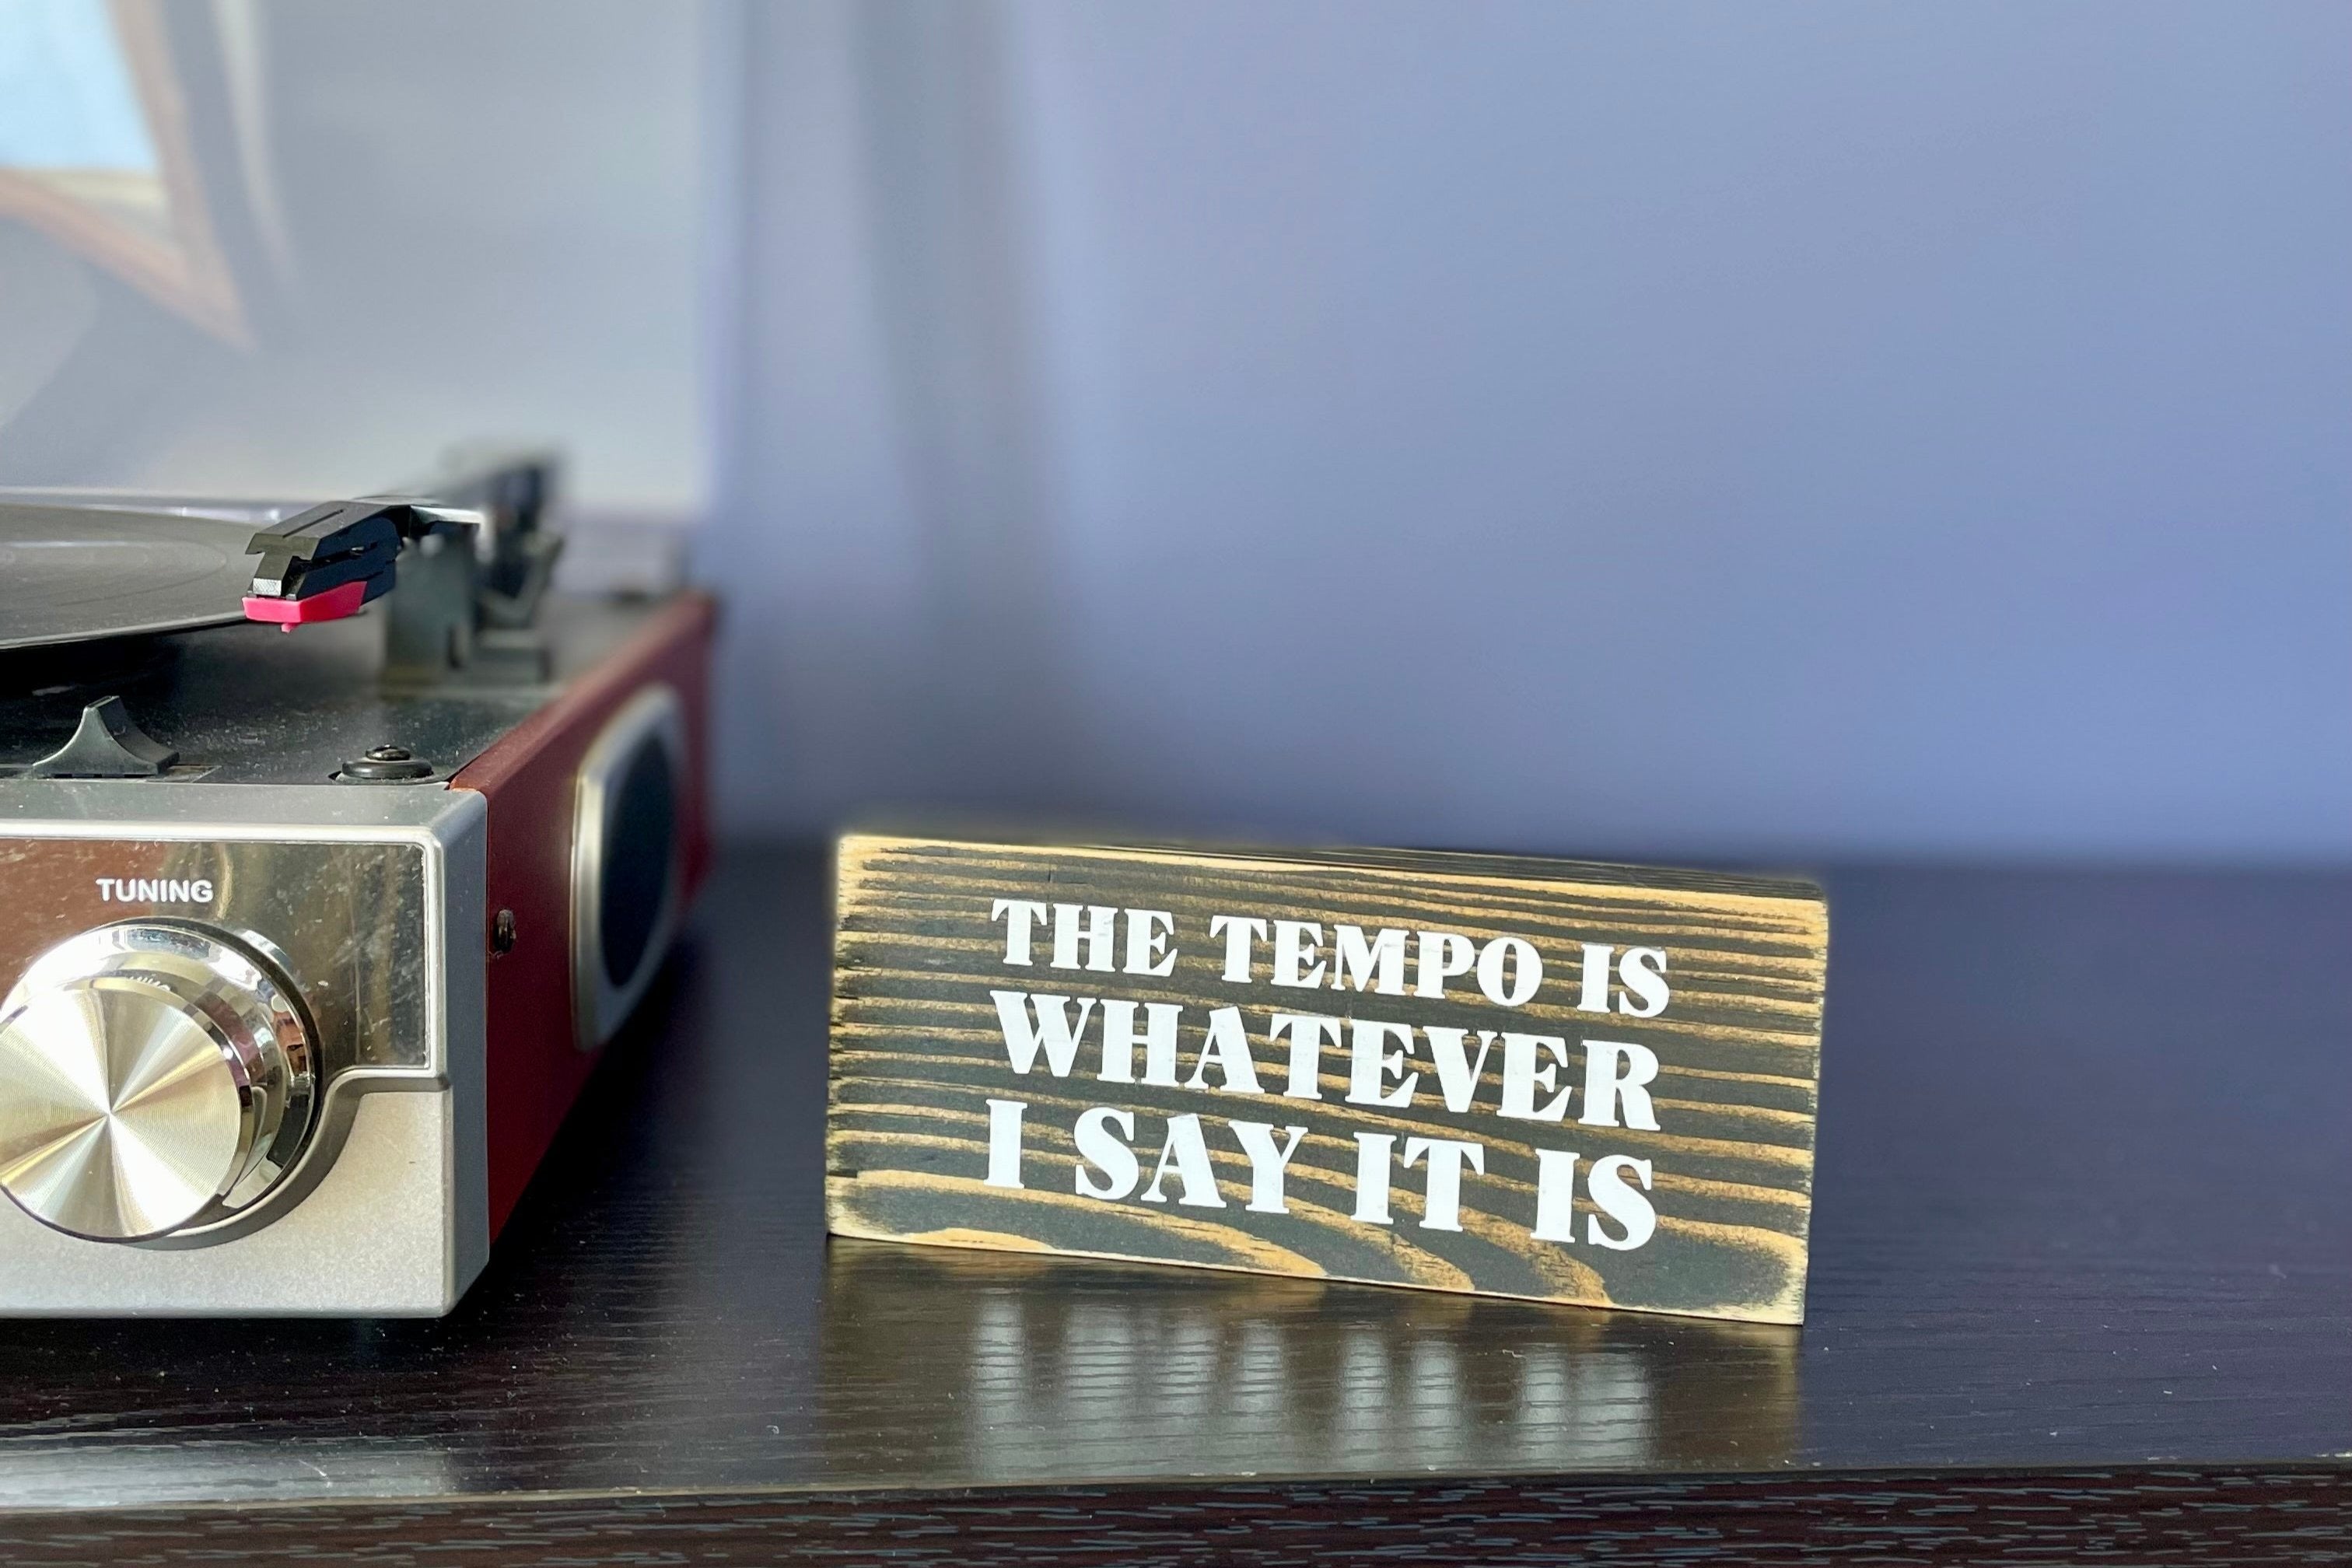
375	896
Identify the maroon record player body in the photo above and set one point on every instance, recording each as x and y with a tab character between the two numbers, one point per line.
542	997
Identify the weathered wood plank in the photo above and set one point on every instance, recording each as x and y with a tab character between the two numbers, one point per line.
1525	1078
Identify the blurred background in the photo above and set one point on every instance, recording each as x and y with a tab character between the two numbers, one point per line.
1692	430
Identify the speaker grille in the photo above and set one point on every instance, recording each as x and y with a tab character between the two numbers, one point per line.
640	838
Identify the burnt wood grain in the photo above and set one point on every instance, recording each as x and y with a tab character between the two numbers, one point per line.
1569	1082
2081	1288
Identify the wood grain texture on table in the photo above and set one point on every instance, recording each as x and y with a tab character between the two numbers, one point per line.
2080	1284
2285	1516
958	965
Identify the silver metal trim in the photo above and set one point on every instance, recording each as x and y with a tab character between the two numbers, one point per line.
387	1212
454	805
600	1007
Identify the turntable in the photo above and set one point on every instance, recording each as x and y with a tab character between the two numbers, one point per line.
333	846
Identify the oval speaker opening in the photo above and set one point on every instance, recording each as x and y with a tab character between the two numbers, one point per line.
625	873
640	844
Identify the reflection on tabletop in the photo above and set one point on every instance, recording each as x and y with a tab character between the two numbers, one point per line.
215	1469
1018	1369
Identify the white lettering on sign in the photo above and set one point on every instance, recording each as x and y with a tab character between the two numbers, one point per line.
154	890
1151	1042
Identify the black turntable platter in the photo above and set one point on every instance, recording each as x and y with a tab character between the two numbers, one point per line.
71	575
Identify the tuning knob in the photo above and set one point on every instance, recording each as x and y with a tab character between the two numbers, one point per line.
155	1077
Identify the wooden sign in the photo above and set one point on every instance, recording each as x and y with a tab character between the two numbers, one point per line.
1526	1078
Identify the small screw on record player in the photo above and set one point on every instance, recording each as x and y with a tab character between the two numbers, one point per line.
333	846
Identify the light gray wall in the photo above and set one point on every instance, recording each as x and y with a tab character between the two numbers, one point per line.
1697	429
1690	429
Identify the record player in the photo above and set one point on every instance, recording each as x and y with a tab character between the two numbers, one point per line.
333	846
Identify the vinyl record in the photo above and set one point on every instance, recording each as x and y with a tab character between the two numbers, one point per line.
73	574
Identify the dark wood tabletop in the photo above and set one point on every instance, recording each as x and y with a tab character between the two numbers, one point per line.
2081	1286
